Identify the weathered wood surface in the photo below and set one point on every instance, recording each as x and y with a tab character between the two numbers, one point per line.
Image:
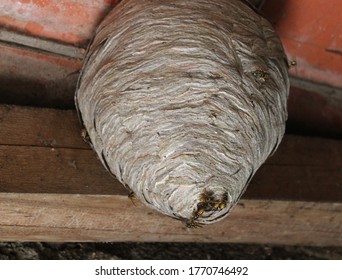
40	127
57	217
53	188
41	151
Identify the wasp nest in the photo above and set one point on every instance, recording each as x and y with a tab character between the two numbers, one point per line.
183	101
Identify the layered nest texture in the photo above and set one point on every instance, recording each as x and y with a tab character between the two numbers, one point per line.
183	101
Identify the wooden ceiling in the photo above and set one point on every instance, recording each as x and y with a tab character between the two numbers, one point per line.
296	196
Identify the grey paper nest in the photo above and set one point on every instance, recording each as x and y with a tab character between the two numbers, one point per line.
183	101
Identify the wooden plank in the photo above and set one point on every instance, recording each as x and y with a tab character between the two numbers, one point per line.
41	151
40	45
311	183
41	127
26	169
34	217
54	170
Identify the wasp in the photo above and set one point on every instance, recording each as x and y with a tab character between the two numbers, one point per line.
206	196
206	203
260	76
132	197
221	204
192	223
206	200
85	136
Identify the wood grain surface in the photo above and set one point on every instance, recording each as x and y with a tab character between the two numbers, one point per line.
60	217
53	188
42	152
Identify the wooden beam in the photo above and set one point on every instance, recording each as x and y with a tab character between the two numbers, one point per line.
58	217
303	168
41	151
40	127
26	169
20	40
53	188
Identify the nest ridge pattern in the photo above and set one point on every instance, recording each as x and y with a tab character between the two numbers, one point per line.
183	101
